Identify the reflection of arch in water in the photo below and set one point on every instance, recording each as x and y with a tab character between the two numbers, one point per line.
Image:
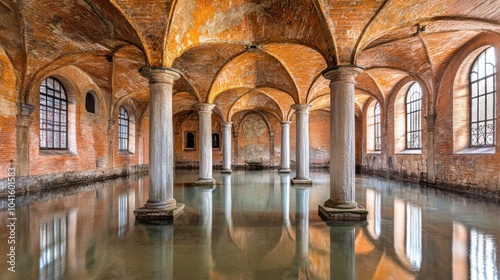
408	234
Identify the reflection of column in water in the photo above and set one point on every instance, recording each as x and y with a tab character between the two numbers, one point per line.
302	230
285	198
226	180
161	251
342	255
204	200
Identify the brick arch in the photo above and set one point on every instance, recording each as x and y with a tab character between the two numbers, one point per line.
8	98
66	76
452	99
396	113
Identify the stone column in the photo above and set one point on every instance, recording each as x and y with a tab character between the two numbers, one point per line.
285	147
342	145
161	205
23	121
302	144
235	135
271	149
226	148
205	169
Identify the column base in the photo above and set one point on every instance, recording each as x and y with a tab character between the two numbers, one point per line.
298	181
354	214
205	182
284	170
158	216
226	171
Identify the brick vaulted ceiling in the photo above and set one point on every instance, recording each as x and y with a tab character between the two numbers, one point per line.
240	54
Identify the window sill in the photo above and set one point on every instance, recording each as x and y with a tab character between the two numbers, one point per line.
125	153
410	152
477	151
375	153
57	153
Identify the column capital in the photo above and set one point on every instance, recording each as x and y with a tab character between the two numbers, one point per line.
271	134
204	107
25	109
160	75
303	108
285	123
226	124
345	73
236	133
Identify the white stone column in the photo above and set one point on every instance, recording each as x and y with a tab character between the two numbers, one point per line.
205	171
226	148
285	147
161	204
302	144
342	145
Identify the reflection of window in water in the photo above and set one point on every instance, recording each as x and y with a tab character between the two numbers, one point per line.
122	214
53	248
408	233
374	215
474	254
414	235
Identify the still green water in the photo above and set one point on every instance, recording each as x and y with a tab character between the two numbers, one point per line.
251	225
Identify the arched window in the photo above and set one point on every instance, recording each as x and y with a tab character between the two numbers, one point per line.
53	115
376	122
482	99
414	117
90	102
123	128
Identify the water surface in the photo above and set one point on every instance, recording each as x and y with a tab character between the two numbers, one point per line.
251	225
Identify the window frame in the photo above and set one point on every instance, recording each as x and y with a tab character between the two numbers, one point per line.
413	118
123	136
485	94
186	148
377	129
63	107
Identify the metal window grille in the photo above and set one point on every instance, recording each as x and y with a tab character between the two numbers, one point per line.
123	127
414	117
53	115
482	100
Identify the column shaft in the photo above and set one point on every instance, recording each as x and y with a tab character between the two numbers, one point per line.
161	141
302	144
342	141
23	122
205	115
285	147
226	148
